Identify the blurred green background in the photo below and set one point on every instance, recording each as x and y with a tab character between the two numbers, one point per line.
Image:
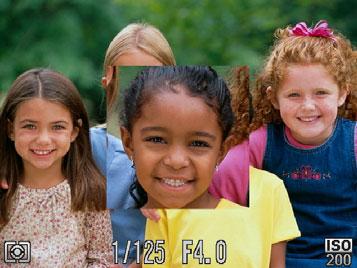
72	36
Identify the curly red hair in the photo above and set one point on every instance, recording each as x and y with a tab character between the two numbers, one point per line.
238	83
335	54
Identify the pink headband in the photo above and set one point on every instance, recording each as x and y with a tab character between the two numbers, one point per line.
321	29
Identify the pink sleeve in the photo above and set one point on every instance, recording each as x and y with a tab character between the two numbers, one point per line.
231	180
257	144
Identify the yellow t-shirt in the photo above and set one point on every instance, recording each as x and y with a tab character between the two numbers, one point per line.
228	236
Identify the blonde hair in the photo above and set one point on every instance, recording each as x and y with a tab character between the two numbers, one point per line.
142	36
334	53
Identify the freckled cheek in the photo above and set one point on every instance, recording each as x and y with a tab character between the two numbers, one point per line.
329	106
287	105
288	110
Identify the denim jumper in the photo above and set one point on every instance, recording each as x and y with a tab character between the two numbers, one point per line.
322	187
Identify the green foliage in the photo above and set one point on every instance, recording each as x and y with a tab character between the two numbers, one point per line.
72	36
68	36
232	31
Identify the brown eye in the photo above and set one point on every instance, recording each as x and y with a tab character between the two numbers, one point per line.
155	139
199	143
58	127
294	95
29	126
321	92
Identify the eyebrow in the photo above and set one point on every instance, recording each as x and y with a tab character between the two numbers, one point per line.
194	133
27	121
60	122
301	89
204	134
32	121
145	129
322	88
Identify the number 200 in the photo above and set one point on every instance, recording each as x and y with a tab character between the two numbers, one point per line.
339	259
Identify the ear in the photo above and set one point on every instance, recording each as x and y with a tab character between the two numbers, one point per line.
272	97
104	82
342	96
108	77
127	141
10	130
75	130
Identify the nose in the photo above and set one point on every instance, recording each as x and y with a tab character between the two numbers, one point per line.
176	158
308	103
43	137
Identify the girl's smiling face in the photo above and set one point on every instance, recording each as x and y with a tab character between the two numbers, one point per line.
175	145
308	99
42	131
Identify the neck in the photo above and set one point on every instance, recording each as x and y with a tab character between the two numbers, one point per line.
41	178
206	200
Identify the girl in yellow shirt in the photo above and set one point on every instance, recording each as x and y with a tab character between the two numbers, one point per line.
174	123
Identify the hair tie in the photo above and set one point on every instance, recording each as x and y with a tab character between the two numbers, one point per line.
321	29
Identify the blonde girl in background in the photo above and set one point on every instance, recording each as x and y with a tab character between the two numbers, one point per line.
56	195
138	44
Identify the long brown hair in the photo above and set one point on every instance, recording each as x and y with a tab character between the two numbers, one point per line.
335	54
141	36
86	183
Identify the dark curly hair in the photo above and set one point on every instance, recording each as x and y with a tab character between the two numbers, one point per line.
198	81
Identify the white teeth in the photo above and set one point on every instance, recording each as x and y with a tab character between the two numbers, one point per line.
308	119
42	152
173	182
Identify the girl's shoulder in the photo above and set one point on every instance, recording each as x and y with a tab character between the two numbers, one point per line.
98	135
27	200
265	189
60	192
225	203
347	121
60	188
258	138
257	145
263	180
270	202
100	138
259	133
104	147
